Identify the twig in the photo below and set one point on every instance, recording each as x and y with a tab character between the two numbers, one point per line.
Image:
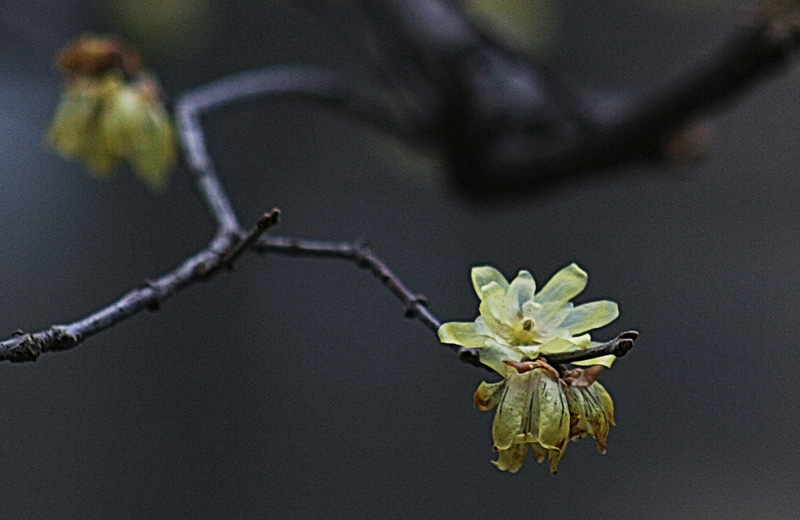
28	347
416	305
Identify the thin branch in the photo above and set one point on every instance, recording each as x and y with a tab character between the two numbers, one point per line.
416	305
27	347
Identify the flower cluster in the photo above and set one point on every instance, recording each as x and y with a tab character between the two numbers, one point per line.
539	407
111	112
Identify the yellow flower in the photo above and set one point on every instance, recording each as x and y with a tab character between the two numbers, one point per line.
110	112
539	407
517	323
532	413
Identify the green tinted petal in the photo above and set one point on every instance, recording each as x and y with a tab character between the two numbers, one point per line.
555	457
488	395
512	458
512	412
596	416
518	294
590	316
558	345
550	315
564	285
605	400
530	351
483	276
462	333
605	361
494	353
553	412
491	310
579	427
539	453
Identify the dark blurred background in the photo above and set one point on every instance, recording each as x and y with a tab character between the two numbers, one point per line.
295	388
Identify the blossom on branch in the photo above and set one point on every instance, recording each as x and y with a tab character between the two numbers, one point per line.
111	112
539	406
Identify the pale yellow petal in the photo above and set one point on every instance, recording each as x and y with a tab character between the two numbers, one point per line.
530	351
564	285
492	310
466	334
485	275
590	316
558	345
519	292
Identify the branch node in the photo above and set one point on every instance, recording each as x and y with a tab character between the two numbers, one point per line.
62	338
264	222
362	252
28	349
470	356
411	306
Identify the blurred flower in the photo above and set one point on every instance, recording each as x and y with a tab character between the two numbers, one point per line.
111	112
539	407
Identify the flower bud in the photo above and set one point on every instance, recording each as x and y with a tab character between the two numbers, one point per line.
110	112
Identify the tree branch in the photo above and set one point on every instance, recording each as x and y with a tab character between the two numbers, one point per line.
618	346
509	126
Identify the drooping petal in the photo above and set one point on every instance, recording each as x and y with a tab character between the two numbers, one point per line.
564	285
483	276
588	414
553	412
512	411
539	453
579	426
467	334
590	316
555	457
597	417
519	292
605	399
488	395
511	459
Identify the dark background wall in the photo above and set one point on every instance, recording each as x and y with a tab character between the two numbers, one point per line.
295	389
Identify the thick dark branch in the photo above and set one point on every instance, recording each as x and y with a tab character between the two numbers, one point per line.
648	126
618	346
510	126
